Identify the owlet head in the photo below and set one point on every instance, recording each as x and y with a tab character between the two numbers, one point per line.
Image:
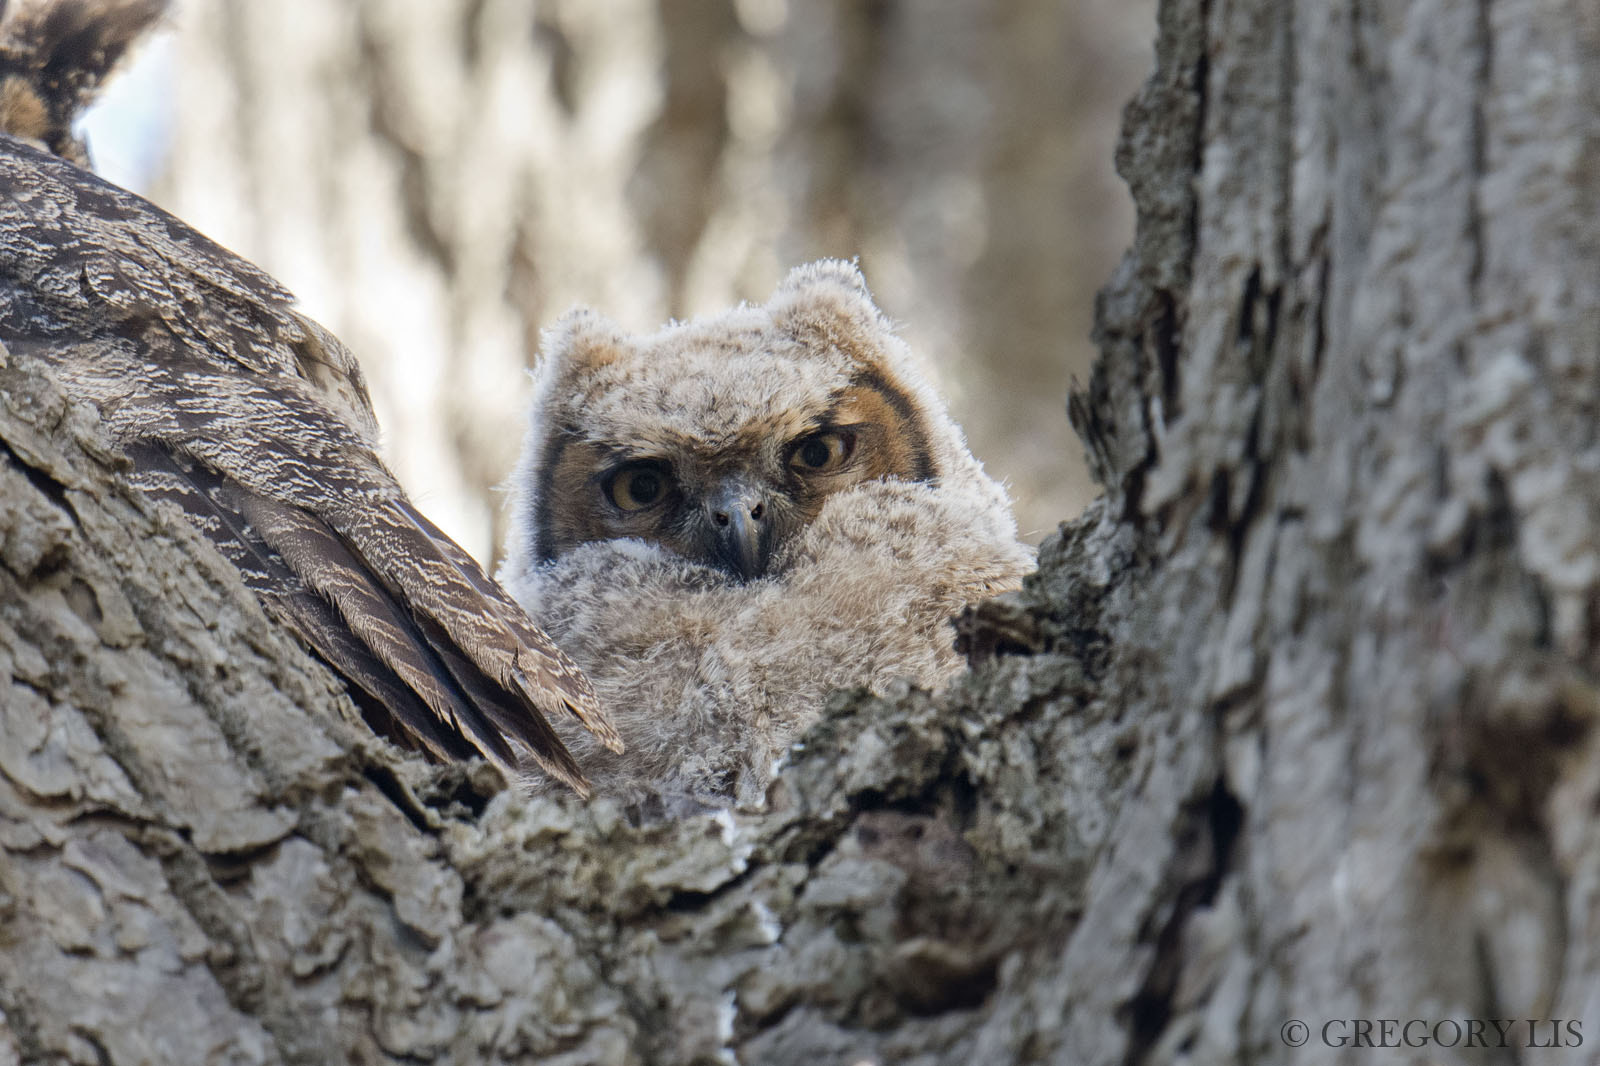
721	438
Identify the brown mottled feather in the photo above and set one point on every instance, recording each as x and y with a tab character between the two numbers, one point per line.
54	57
547	676
208	503
195	353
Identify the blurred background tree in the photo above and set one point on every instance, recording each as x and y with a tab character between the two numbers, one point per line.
437	182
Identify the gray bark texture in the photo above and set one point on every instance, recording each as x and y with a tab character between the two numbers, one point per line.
1297	722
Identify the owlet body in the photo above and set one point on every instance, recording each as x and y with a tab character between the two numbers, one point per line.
725	520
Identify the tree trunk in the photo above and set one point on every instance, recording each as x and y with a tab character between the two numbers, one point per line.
1296	724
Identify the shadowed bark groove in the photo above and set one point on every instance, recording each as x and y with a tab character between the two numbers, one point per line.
1296	723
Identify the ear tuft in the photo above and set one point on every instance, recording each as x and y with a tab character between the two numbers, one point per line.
584	340
828	301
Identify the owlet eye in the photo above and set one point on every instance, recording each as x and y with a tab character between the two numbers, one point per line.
824	452
633	488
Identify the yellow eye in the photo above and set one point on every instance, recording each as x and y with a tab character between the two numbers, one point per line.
633	488
822	453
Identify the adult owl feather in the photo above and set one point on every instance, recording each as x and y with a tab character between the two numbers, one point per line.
54	57
255	421
725	520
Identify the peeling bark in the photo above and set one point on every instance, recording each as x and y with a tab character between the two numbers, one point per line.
1295	723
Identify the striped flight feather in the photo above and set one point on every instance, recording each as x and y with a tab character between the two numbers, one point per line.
256	422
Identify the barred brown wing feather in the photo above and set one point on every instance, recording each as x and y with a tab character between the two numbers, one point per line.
537	740
556	683
213	506
199	356
322	560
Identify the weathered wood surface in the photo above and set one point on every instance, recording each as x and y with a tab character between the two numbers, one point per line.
205	861
1296	723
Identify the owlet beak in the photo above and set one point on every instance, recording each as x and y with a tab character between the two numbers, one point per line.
741	529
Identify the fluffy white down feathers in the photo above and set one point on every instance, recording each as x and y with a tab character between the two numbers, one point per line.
709	677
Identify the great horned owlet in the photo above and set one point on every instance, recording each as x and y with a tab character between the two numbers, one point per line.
725	520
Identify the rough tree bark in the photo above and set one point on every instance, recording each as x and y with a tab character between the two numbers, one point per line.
1297	722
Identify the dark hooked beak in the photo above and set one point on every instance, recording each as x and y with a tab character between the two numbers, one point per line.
741	529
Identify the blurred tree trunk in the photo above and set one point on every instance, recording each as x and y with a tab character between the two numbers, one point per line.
440	181
1297	723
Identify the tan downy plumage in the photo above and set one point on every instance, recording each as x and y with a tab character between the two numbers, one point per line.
713	636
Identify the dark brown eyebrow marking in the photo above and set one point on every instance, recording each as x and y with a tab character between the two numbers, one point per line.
554	448
922	467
